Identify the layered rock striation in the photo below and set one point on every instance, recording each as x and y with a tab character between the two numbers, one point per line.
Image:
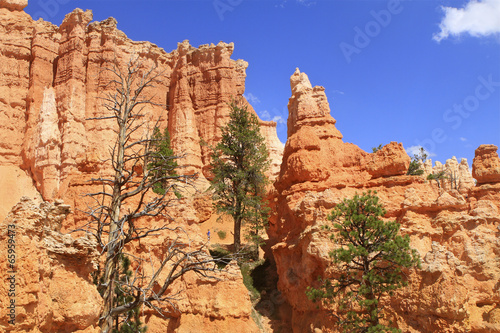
54	79
53	140
455	230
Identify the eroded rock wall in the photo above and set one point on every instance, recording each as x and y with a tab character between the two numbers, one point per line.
455	230
52	288
54	79
52	83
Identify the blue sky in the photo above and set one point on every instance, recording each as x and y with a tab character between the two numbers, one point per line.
421	72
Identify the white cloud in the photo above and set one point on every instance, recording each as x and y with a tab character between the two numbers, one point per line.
264	115
251	98
478	18
415	150
279	120
463	139
274	115
306	3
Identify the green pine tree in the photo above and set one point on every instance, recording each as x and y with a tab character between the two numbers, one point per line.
163	161
238	164
371	257
129	322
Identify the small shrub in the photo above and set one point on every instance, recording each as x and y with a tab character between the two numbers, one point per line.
376	149
222	234
247	269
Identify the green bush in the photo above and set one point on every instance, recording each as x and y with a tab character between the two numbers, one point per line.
222	234
247	268
376	149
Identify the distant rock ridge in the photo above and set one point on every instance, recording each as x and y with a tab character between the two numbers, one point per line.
456	175
454	225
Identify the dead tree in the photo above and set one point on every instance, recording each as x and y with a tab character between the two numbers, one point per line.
128	195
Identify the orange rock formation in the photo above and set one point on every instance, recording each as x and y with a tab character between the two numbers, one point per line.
53	291
486	165
456	233
53	79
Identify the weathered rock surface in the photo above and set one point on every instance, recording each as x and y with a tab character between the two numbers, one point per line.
486	165
391	160
53	289
311	149
15	183
53	79
14	5
455	230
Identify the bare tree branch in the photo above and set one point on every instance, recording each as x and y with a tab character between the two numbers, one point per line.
128	195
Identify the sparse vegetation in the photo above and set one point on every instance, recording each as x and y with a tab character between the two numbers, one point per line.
438	177
222	234
376	149
221	256
132	321
247	269
415	168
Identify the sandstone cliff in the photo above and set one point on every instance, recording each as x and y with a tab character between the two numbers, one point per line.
455	232
53	289
53	81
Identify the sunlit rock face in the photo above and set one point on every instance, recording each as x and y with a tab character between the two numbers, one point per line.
455	229
486	165
53	79
53	286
